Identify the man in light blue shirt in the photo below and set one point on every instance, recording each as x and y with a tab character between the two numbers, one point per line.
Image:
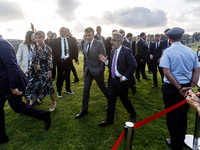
177	62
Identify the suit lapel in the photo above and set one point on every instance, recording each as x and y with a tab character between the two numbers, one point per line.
120	55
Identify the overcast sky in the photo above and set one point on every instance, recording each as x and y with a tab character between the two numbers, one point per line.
135	16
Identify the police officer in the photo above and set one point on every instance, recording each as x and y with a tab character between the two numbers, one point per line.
176	61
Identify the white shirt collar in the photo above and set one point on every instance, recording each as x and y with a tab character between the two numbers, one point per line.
91	41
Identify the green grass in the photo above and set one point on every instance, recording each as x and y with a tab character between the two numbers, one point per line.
66	133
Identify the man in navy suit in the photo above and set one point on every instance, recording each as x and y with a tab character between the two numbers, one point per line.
121	68
166	42
155	55
13	82
98	36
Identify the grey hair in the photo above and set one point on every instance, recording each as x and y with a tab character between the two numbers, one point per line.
120	37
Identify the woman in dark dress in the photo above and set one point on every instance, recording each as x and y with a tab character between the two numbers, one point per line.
40	81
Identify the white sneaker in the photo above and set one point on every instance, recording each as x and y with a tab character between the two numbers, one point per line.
59	95
69	92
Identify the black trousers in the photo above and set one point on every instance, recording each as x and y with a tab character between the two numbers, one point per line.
155	70
140	68
18	106
87	85
74	71
54	72
63	69
176	119
149	63
117	88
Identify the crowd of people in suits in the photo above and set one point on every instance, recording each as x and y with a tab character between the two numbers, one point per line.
42	60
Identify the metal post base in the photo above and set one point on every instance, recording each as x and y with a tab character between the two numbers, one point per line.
189	141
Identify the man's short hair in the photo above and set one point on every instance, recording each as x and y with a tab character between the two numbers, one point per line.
98	27
142	34
114	30
40	34
157	35
129	35
166	30
121	31
89	29
120	37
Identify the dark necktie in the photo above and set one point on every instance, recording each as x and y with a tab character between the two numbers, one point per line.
156	45
65	47
88	49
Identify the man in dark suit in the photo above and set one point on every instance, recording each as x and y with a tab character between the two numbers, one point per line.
108	45
93	68
155	55
73	69
98	35
166	42
141	57
149	62
83	42
47	41
126	42
134	45
13	82
64	50
121	68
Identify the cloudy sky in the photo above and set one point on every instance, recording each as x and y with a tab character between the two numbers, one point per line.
135	16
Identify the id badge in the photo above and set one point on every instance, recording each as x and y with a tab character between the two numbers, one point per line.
38	65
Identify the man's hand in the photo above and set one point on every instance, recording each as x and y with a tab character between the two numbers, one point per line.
184	90
141	60
121	79
151	57
26	72
194	101
16	92
77	62
49	74
103	58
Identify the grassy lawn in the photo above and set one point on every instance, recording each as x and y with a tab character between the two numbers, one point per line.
66	133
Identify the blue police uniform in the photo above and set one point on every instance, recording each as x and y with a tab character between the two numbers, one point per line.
180	60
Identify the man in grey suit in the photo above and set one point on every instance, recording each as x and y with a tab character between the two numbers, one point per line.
93	68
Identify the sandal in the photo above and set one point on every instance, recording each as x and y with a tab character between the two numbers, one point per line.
54	106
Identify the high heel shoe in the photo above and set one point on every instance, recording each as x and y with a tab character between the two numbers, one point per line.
52	109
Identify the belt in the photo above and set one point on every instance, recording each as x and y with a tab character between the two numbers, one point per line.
116	78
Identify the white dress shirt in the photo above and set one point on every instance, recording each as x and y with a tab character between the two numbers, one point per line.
63	56
116	71
90	45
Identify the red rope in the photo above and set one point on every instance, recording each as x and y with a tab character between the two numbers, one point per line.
149	119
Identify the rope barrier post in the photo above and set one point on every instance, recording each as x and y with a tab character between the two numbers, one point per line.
128	136
193	141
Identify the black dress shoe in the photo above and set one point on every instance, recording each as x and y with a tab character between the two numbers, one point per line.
75	80
169	143
154	86
4	140
47	120
147	78
138	80
133	118
105	123
81	114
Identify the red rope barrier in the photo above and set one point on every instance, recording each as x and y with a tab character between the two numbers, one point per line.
118	141
149	119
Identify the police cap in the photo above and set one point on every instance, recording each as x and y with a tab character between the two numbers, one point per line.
175	33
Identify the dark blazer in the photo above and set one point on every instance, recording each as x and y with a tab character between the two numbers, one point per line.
108	47
47	41
11	75
57	50
126	64
165	44
82	43
97	38
127	44
142	50
134	48
92	62
156	52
